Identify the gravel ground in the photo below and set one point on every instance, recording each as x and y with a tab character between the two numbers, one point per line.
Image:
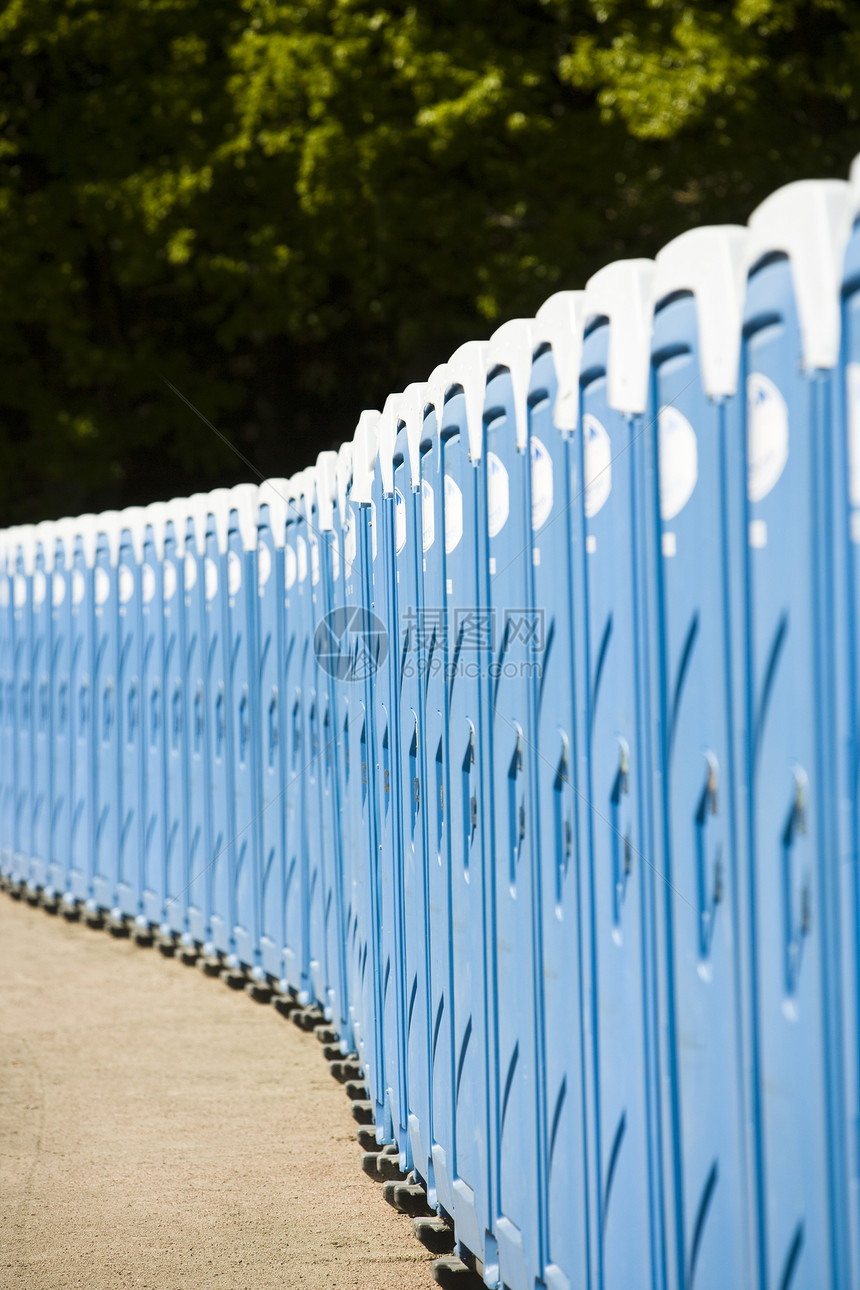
159	1131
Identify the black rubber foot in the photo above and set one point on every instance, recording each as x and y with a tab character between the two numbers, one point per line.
144	937
369	1162
366	1138
285	1004
389	1170
356	1090
71	913
188	954
306	1018
325	1034
407	1198
16	890
118	927
95	919
452	1273
210	966
259	991
332	1053
166	947
345	1070
362	1112
50	904
235	978
434	1234
33	897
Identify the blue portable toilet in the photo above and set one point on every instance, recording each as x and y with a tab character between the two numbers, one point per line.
363	648
273	501
7	700
22	635
174	919
197	585
61	703
388	517
129	707
327	601
469	1157
433	647
82	716
41	560
790	347
151	896
413	791
241	639
695	598
295	969
555	540
316	786
105	720
616	836
518	1149
846	473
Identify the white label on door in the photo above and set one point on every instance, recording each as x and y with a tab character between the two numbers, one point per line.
334	543
234	573
597	457
453	514
4	592
264	565
190	571
290	566
40	586
58	589
399	521
679	461
428	519
852	395
79	587
126	584
302	553
168	579
210	578
498	495
101	585
147	583
541	464
20	590
315	561
767	435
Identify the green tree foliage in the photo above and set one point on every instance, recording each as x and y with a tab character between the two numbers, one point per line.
286	209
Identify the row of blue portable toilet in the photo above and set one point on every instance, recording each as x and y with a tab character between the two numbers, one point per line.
521	736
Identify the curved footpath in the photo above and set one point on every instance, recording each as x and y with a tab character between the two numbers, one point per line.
158	1130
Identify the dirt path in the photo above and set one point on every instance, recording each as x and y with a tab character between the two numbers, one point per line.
159	1131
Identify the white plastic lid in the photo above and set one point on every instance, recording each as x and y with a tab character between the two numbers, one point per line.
307	492
178	511
87	529
467	367
109	526
326	470
275	495
64	532
512	346
810	222
25	544
243	500
410	414
710	262
363	456
435	391
559	321
46	538
199	510
133	521
219	505
621	292
386	437
344	475
855	186
157	516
